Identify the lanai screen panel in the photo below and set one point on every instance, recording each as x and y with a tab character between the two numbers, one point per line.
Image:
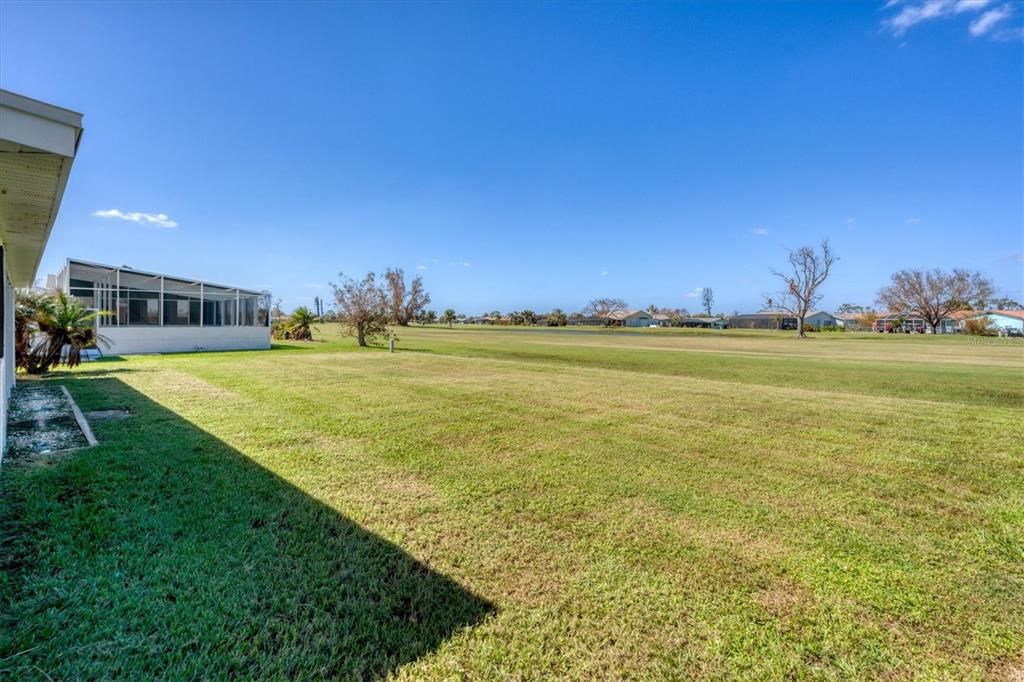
138	299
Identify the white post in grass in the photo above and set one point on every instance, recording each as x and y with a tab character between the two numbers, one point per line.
391	344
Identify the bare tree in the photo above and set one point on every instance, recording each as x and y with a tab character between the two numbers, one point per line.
404	303
934	294
362	307
707	299
808	271
603	307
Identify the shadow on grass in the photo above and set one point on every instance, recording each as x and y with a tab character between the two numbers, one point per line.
290	346
164	552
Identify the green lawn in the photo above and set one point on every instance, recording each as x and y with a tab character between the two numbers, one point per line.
531	504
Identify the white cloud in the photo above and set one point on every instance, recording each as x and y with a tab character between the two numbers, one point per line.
913	221
851	221
466	264
989	19
913	14
158	219
604	273
421	268
759	231
695	293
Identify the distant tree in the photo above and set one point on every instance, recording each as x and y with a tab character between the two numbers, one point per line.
362	307
652	309
808	270
276	314
404	302
1005	303
528	317
603	307
449	317
934	294
707	299
866	319
850	308
429	317
556	318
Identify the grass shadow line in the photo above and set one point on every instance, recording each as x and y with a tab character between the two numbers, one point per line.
165	552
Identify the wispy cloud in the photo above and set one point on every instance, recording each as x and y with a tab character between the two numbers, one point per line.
987	21
604	273
913	13
421	268
695	293
466	264
158	219
913	221
759	231
851	221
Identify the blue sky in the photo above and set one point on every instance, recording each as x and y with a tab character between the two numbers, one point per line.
536	155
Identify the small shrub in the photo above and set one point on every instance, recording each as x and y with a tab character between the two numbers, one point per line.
980	326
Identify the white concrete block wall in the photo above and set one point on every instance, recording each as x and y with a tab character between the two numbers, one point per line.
137	340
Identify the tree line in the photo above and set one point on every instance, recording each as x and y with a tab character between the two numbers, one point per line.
369	307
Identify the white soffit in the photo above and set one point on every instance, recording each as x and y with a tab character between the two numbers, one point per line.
38	143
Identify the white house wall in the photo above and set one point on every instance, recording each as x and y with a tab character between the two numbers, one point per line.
136	340
7	365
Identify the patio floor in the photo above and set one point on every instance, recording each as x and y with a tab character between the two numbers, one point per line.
44	420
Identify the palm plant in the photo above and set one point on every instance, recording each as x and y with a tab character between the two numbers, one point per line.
28	353
67	324
298	326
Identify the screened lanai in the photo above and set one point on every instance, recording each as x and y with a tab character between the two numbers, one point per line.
146	312
142	299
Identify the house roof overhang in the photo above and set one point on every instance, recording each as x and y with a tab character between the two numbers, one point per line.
38	143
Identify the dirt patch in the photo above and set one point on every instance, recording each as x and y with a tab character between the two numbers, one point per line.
785	599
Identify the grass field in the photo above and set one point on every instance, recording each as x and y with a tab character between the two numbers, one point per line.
529	504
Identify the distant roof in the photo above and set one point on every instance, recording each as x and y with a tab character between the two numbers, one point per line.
623	314
1016	314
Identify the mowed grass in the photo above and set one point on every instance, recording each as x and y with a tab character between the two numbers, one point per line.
518	504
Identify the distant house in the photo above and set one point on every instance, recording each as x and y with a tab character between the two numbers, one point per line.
768	319
630	318
705	322
819	319
912	323
481	319
661	319
762	320
618	318
1004	320
586	321
850	321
